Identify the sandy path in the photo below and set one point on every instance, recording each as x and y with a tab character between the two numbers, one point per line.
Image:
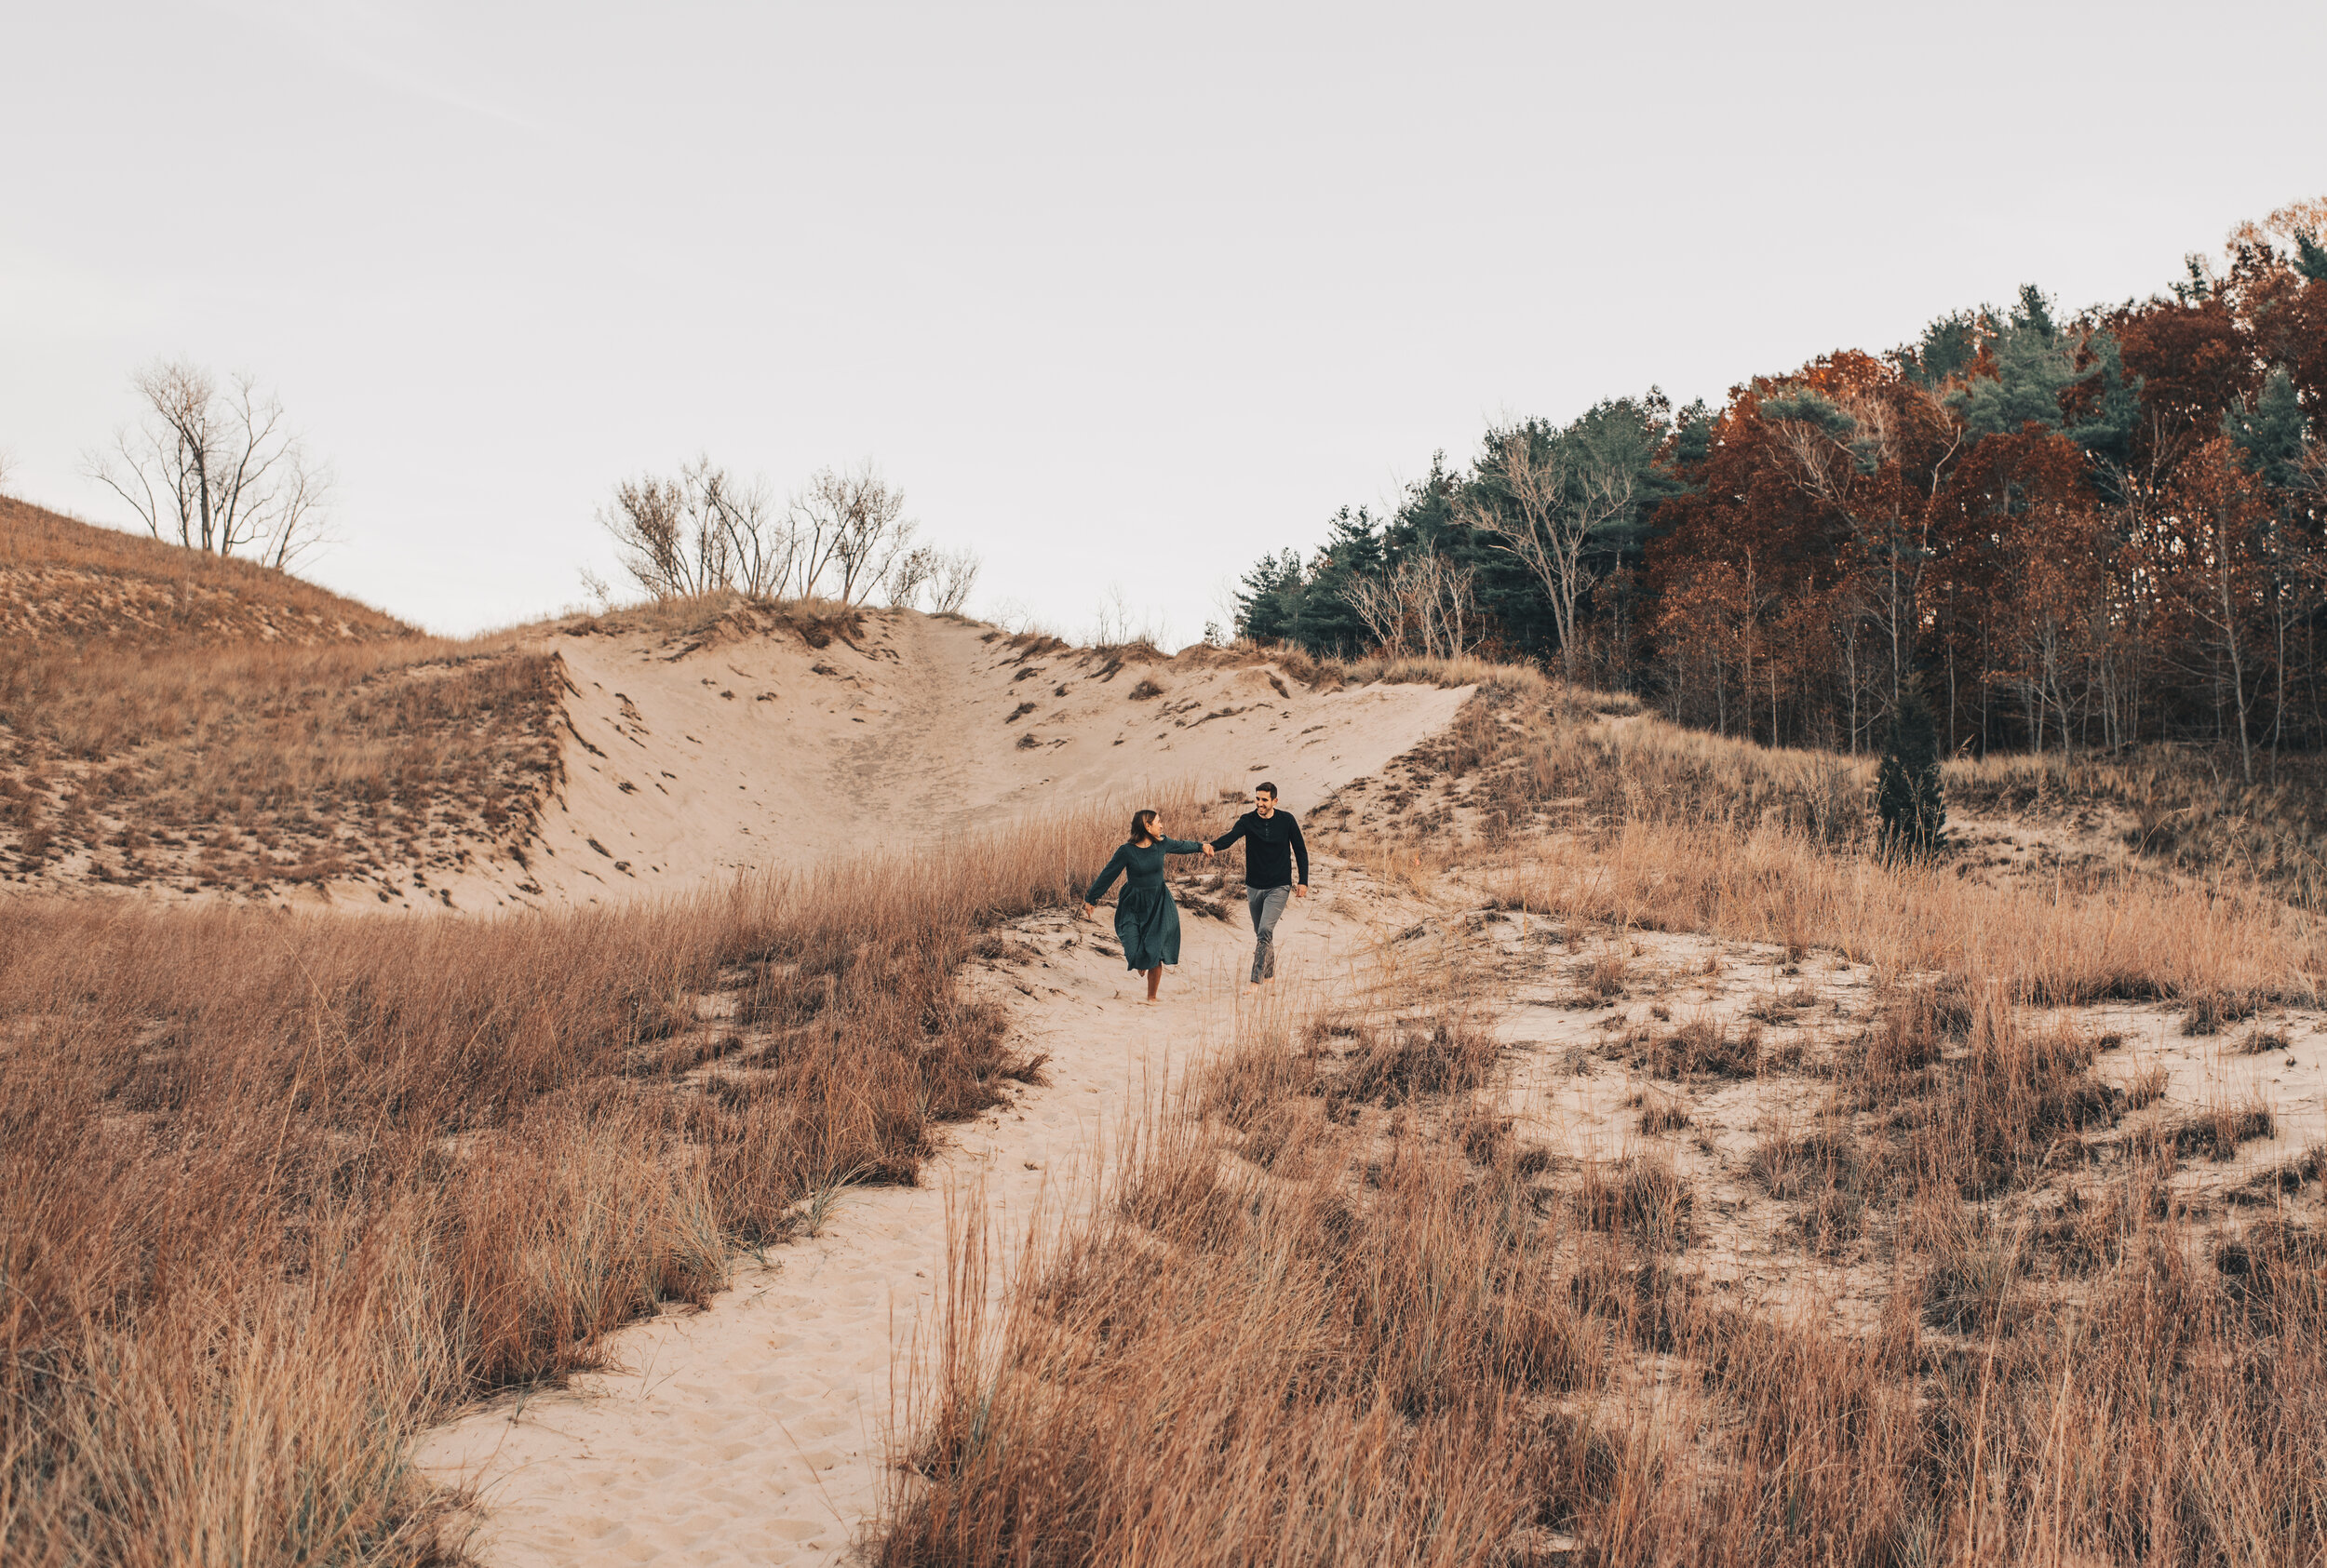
899	774
756	1431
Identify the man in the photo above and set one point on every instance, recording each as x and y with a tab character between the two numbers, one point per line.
1272	844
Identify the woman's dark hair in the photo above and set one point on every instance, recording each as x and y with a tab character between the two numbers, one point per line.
1140	825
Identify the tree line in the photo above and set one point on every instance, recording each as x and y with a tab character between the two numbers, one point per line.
2061	532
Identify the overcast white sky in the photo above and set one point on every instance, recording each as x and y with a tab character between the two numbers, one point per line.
1118	295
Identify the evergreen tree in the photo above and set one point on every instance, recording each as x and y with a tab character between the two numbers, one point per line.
1269	600
1946	350
2270	430
1693	436
1906	789
1329	626
2034	365
2310	257
2108	434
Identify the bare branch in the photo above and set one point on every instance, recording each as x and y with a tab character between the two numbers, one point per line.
761	546
1563	498
850	521
298	505
954	575
1382	607
645	521
911	572
221	472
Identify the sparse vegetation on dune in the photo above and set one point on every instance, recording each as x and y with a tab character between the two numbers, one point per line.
175	720
245	766
1324	1322
722	615
2177	806
274	1191
1529	753
2052	947
64	579
1343	1311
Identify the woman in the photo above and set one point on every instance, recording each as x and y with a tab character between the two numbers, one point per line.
1147	922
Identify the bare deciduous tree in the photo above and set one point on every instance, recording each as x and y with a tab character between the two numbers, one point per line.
1562	500
703	531
1441	600
1112	627
955	574
910	573
945	575
1378	604
850	522
707	529
216	469
763	547
656	542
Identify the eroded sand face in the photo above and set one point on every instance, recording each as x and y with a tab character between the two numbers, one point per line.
687	767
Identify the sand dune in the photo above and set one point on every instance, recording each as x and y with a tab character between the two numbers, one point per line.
756	1431
763	753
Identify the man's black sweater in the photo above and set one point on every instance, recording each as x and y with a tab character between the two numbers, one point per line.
1266	841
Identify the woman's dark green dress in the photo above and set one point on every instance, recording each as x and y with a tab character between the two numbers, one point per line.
1146	918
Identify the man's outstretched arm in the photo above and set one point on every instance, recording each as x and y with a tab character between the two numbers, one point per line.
1301	855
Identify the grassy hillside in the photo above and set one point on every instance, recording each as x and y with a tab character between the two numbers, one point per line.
179	723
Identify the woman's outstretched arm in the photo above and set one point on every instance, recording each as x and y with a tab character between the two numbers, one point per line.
1106	877
1180	845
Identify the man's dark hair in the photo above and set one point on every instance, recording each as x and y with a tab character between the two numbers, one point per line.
1268	789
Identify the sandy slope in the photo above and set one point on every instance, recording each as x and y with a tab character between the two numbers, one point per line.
756	1431
762	752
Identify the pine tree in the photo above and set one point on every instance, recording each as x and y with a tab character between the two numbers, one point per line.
2270	430
2310	257
1354	549
1946	350
1269	602
2034	365
1906	789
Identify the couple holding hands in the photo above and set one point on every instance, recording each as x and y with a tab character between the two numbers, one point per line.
1147	920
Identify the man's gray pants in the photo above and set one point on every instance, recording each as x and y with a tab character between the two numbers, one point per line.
1266	905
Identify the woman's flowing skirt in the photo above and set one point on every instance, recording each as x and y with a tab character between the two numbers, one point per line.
1147	922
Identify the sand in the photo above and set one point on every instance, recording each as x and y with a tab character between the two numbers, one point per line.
684	766
758	1430
762	1430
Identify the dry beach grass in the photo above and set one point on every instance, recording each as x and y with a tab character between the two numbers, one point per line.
276	1190
1342	1309
186	724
